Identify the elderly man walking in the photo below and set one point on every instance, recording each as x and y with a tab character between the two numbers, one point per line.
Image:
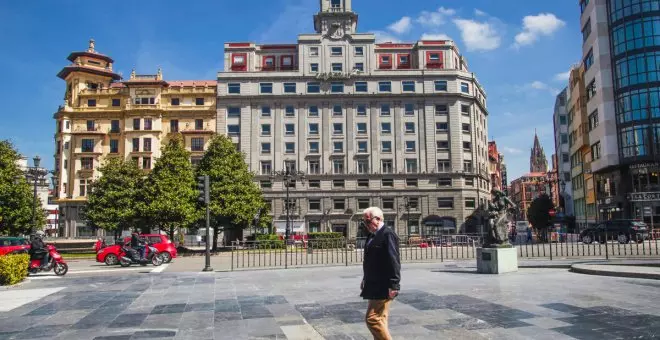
382	272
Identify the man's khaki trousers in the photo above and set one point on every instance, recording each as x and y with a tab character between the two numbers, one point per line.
376	318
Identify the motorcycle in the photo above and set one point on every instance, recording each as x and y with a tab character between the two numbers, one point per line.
129	256
56	263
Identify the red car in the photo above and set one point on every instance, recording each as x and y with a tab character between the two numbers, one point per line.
165	247
13	245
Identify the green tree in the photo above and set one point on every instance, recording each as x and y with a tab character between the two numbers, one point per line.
113	200
16	195
235	198
170	193
538	215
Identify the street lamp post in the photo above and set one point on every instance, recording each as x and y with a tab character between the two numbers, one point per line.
406	205
37	174
287	176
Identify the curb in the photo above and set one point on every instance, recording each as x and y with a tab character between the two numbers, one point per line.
584	269
25	281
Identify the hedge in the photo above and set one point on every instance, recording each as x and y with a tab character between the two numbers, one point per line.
13	268
269	241
326	240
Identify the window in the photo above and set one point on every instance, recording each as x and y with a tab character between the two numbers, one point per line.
360	86
232	88
337	87
265	111
289	147
583	5
197	144
87	163
363	203
469	182
361	128
265	129
234	130
442	145
268	62
116	102
289	87
408	86
337	166
465	109
145	101
286	62
386	146
467	166
174	125
313	111
87	145
136	124
338	147
146	162
387	182
114	126
403	60
266	184
361	110
336	51
338	183
385	109
441	109
388	203
314	51
362	146
313	87
313	129
337	128
233	111
146	144
385	61
314	183
289	129
266	167
386	128
563	138
409	109
83	187
313	147
387	166
465	127
199	101
114	146
411	165
588	60
337	110
586	30
359	50
199	124
314	67
595	151
362	182
470	203
441	127
315	204
385	86
440	85
411	182
265	148
238	62
266	87
339	204
91	102
444	165
359	67
337	67
591	89
444	182
593	120
465	87
410	127
314	165
467	146
562	120
410	146
445	203
565	158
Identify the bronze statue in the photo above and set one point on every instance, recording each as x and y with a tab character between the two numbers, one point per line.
500	210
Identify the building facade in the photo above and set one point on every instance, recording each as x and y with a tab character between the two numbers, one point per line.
537	160
505	180
495	166
402	126
104	116
620	57
563	167
526	188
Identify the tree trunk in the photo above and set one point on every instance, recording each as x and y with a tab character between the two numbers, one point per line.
215	238
170	233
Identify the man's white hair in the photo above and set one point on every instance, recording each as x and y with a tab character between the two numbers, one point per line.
374	212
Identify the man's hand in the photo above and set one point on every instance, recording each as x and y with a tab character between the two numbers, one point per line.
362	285
393	293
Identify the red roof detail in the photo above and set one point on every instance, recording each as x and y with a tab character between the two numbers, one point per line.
393	45
434	42
242	44
192	82
278	47
84	68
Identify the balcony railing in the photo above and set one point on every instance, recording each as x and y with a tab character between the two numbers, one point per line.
104	91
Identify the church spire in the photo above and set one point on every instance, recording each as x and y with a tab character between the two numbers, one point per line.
537	160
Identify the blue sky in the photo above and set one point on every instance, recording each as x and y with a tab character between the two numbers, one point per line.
520	51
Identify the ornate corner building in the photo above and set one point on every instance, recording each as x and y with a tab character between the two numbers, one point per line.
402	126
105	116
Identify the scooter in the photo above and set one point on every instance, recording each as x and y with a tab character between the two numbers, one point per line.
129	256
56	263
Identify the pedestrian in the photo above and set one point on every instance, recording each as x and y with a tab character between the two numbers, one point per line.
381	272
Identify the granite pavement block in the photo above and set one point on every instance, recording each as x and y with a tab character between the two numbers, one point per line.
66	317
128	320
197	320
41	332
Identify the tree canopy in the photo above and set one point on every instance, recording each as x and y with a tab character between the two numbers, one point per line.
16	196
538	213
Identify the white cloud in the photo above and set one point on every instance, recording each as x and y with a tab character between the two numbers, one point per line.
535	26
511	150
538	85
436	18
382	36
541	86
435	36
562	76
479	12
478	36
403	25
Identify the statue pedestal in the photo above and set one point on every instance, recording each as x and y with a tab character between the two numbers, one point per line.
497	260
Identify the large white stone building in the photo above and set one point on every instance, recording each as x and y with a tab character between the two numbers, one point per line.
369	123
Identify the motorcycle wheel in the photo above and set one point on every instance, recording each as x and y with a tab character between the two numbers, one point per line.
124	263
157	260
60	269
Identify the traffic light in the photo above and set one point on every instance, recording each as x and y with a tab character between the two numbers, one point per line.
203	189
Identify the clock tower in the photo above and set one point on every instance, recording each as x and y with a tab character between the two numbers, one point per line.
335	19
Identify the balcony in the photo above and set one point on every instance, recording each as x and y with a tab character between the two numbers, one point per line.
78	130
197	89
133	106
104	92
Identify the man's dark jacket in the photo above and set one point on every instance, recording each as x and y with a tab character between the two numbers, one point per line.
382	265
37	247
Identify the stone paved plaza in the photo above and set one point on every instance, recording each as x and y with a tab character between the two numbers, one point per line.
437	302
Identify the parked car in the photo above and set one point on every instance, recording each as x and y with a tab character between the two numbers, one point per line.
623	231
110	254
13	245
